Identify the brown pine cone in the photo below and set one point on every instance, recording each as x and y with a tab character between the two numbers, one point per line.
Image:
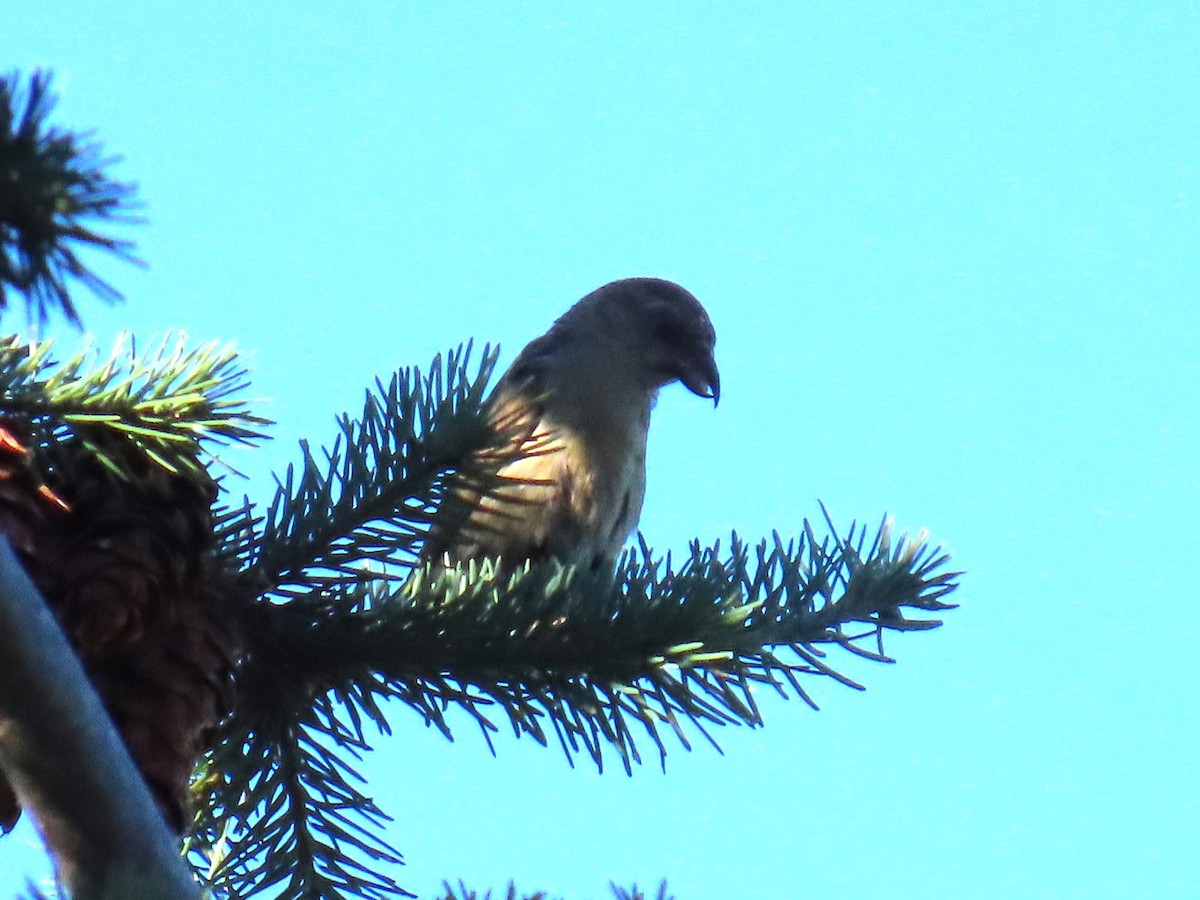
128	568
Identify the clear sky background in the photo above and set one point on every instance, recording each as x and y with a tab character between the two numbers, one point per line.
952	254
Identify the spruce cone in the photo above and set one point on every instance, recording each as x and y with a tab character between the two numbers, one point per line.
129	572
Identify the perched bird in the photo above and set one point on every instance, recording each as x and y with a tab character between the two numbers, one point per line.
576	404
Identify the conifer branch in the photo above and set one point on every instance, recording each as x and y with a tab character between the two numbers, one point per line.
318	835
462	892
53	184
585	651
604	664
601	663
368	501
164	405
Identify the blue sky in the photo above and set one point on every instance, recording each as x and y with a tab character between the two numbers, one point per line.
951	254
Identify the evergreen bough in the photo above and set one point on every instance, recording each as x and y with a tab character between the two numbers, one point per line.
339	618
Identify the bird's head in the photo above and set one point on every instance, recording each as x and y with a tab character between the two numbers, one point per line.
661	330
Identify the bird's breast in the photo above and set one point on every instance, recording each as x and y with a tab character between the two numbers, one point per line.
599	489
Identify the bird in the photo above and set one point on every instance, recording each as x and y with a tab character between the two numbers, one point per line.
572	414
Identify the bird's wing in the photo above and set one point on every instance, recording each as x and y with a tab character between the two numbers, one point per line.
497	504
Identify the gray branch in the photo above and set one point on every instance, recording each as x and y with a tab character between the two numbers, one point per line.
68	766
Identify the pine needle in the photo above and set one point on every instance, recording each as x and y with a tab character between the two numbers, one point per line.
169	406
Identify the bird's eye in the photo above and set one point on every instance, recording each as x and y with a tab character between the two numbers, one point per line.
665	331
